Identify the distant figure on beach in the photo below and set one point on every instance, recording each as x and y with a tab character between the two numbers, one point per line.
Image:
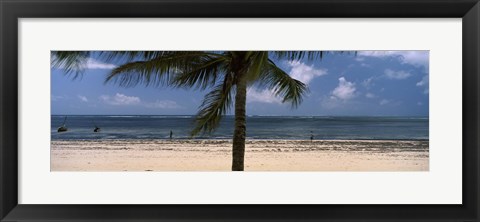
171	134
311	135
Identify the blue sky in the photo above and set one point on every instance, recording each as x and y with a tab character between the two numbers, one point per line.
371	83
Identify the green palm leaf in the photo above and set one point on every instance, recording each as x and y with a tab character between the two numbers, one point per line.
202	74
157	71
215	104
256	62
298	55
284	86
73	62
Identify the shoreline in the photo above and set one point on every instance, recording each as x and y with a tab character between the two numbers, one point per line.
261	155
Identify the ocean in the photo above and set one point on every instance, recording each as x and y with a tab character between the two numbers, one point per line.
258	127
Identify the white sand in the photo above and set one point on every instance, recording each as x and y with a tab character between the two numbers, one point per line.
261	155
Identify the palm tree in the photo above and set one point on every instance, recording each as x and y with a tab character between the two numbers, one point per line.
225	73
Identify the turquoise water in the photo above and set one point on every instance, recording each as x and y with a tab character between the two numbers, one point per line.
258	127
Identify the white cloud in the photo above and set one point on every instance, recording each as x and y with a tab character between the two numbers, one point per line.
56	98
359	59
345	90
303	72
104	97
415	58
120	99
423	82
123	100
163	104
368	83
263	96
384	102
370	95
82	98
396	74
331	102
95	64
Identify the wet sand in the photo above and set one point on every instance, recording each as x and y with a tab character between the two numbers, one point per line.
260	155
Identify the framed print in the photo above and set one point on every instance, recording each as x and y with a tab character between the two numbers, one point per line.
224	110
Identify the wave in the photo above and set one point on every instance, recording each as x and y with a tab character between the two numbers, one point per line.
166	117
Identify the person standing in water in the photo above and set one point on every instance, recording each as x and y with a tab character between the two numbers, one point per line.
171	134
311	136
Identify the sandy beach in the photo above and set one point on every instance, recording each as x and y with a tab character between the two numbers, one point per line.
261	155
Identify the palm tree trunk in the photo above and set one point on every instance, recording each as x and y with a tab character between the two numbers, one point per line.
238	149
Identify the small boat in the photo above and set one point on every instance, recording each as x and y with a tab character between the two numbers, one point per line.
63	128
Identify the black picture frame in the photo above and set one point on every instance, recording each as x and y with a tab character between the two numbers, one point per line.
12	10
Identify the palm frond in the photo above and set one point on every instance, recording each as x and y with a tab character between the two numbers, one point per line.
129	56
201	74
158	71
310	55
298	55
284	86
256	62
72	62
215	104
